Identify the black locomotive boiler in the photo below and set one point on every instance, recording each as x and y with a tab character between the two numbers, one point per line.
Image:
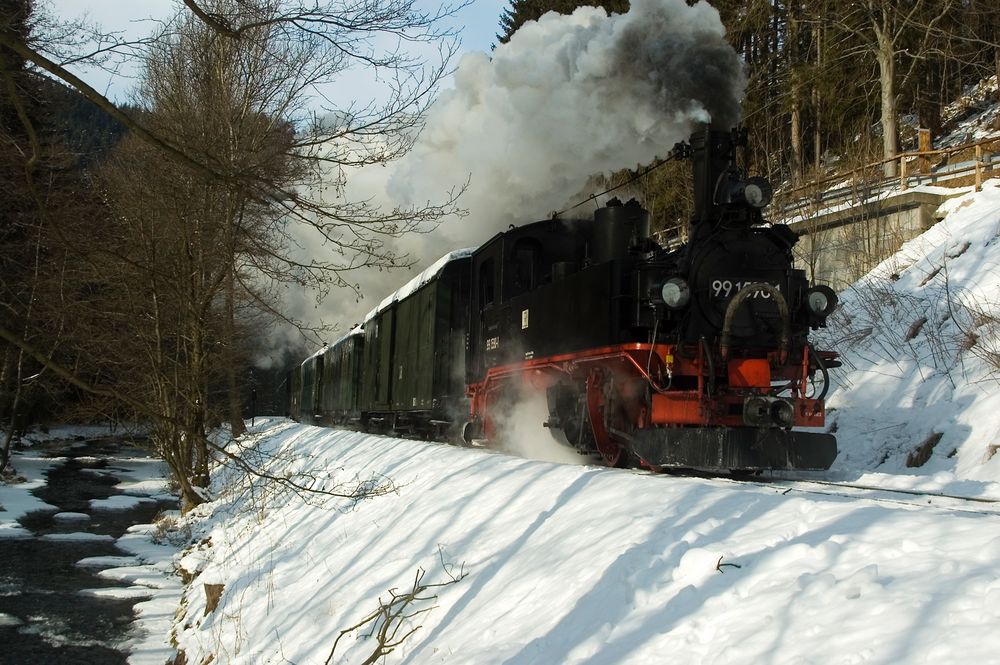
693	357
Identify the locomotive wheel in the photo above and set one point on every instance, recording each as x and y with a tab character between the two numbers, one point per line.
568	421
607	421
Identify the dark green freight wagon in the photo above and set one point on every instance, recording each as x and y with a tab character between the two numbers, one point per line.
413	375
312	388
376	368
342	380
293	384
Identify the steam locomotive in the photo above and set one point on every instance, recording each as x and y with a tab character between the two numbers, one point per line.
692	357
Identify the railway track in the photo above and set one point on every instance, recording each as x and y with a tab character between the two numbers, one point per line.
789	485
851	491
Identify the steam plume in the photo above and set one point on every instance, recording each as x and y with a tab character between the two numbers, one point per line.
566	98
522	432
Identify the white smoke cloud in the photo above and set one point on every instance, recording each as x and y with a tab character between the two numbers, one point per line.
566	98
522	433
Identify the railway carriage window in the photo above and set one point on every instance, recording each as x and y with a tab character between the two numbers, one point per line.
487	283
527	256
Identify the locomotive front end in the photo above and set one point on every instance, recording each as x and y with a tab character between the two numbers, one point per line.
731	369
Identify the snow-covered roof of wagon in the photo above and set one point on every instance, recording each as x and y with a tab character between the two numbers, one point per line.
356	329
318	352
427	275
326	347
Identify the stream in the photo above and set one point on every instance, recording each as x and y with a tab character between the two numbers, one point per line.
56	609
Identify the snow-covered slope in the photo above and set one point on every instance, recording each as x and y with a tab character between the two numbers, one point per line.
547	563
973	116
920	339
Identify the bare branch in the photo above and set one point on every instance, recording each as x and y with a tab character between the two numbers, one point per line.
394	614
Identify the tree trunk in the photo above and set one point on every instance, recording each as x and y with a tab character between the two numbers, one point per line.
175	449
817	102
7	398
890	105
796	103
233	388
200	477
818	133
190	497
196	424
796	158
15	406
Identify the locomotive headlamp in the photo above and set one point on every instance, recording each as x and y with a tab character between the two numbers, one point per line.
821	300
757	192
783	413
676	293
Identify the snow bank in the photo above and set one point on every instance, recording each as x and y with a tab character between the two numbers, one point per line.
534	562
570	564
920	336
16	499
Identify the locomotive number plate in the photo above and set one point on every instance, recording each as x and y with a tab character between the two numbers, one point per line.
725	288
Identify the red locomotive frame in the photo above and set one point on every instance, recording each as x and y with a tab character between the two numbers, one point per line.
624	370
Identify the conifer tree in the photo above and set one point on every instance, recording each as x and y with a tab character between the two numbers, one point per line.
521	11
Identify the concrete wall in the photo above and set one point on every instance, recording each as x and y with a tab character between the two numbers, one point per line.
838	247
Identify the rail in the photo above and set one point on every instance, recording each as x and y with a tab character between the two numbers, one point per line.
913	168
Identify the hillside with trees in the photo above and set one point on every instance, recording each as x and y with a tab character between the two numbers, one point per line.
140	275
521	11
47	202
831	86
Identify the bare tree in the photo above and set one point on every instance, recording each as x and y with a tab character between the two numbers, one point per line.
335	36
898	35
233	98
41	195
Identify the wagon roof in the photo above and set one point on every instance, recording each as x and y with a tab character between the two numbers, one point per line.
423	278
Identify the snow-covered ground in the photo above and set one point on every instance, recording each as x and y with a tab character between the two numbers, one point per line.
528	561
920	339
551	563
973	116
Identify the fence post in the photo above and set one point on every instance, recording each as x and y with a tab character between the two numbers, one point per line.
979	167
902	171
924	146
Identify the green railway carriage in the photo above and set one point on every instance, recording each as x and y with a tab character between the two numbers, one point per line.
312	388
341	380
376	372
293	386
403	371
413	374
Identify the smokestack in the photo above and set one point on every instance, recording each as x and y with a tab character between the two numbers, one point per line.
713	153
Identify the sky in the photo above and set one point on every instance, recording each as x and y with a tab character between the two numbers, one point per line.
478	22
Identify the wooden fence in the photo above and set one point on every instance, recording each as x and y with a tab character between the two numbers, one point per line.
954	166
